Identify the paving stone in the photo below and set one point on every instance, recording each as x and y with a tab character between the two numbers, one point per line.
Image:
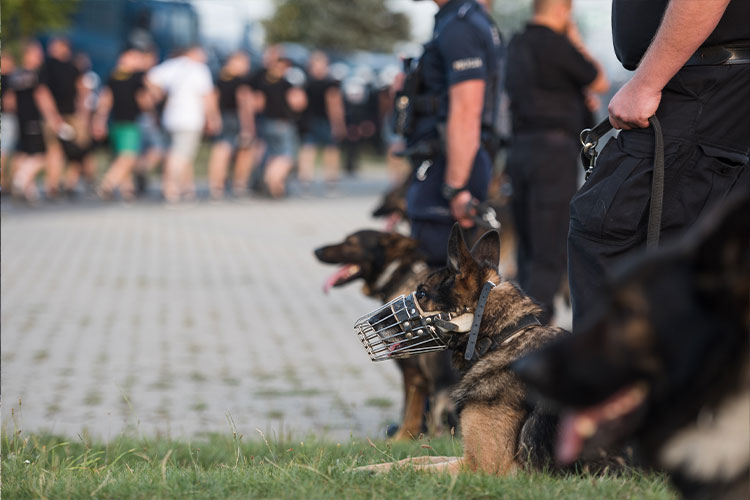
166	321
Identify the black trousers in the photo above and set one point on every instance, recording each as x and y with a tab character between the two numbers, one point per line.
543	168
705	116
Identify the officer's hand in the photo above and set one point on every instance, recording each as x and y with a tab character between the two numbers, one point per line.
459	210
633	105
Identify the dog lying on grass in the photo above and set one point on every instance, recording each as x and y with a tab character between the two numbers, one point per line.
502	431
666	363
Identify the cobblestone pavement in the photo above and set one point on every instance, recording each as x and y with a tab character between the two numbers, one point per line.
156	321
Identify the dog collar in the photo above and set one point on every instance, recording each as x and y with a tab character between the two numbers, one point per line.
474	333
507	334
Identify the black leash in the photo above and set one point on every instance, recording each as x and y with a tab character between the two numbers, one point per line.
590	139
474	333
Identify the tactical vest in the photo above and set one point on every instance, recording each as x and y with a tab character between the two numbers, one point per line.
414	103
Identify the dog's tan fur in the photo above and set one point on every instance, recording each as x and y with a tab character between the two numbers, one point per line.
498	429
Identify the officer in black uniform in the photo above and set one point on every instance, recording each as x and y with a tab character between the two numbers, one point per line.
549	77
692	69
452	98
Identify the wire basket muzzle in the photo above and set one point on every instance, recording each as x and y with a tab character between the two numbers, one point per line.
400	329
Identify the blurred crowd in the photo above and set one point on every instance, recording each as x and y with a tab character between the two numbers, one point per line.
264	124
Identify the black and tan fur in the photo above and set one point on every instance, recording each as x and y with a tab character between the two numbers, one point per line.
390	265
502	431
675	327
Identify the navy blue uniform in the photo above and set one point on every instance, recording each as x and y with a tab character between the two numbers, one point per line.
704	114
546	79
465	46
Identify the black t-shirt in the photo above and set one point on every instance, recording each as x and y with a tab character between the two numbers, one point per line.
546	76
61	78
635	22
316	96
125	87
227	86
275	92
24	82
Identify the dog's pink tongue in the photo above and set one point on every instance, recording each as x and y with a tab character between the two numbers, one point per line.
569	440
343	272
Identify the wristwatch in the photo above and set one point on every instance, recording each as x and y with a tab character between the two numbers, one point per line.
449	192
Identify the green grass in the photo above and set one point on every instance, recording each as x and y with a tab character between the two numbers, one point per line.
230	466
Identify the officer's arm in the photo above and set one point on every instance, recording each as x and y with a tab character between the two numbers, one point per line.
685	26
462	136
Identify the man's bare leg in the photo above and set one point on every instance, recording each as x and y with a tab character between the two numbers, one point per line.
277	170
243	167
332	163
218	163
306	172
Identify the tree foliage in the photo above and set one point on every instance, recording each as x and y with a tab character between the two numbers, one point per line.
26	18
337	24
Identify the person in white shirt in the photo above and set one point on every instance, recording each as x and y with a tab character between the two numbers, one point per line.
190	108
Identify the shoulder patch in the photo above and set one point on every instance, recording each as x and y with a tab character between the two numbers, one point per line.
468	63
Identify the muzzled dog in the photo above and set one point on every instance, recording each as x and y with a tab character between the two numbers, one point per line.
666	363
389	264
491	324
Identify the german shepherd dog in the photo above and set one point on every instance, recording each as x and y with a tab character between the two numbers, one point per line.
390	264
502	430
666	363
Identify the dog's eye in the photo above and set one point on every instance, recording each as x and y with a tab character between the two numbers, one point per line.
421	294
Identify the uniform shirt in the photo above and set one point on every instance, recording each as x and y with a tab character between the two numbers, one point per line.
277	107
227	86
24	82
635	22
61	78
465	46
316	96
125	87
545	81
186	83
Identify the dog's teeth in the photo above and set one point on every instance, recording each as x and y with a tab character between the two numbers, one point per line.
585	426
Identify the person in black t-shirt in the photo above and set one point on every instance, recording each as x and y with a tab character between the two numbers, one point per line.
63	79
237	126
33	102
549	75
278	102
121	101
9	120
692	70
324	121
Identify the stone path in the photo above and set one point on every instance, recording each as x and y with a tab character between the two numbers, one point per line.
155	321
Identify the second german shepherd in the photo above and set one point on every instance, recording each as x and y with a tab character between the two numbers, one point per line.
502	431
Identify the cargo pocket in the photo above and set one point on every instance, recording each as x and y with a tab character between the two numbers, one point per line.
612	202
707	181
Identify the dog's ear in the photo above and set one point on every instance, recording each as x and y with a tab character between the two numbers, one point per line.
486	251
458	251
722	251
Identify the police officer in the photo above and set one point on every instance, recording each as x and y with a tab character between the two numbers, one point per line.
692	69
454	100
549	77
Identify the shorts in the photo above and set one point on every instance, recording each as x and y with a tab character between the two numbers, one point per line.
74	148
230	128
152	136
31	139
185	143
280	137
125	137
318	133
9	133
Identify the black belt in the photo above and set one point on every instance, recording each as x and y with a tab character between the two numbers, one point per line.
717	55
